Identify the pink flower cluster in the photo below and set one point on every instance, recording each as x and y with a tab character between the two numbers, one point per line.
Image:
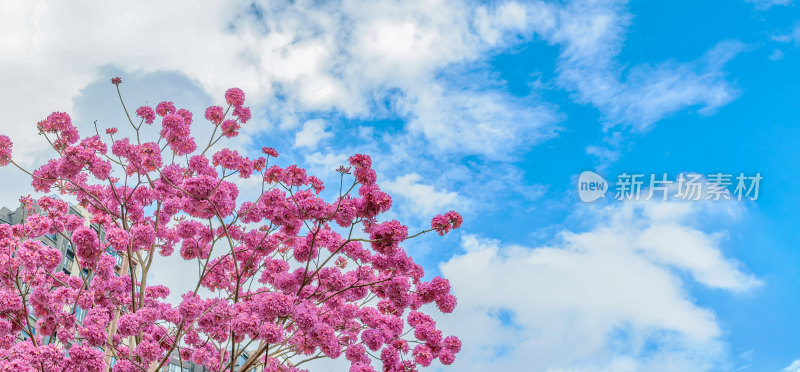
147	114
446	222
165	108
175	128
60	125
5	150
290	280
234	97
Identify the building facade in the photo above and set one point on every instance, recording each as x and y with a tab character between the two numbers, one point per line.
70	267
68	264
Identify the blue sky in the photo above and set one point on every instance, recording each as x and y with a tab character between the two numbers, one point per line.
493	109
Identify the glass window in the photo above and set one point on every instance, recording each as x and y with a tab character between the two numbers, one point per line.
80	314
116	255
172	367
68	259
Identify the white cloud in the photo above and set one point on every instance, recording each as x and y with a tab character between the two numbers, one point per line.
292	57
794	367
350	57
421	199
604	154
486	123
62	48
766	4
792	36
591	34
313	132
324	165
595	300
776	55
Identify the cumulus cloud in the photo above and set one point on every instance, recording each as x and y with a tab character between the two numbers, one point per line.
325	164
292	57
794	367
313	132
608	299
421	198
361	59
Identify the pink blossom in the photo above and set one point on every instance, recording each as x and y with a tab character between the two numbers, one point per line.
149	351
242	113
386	237
234	96
270	332
294	176
215	114
361	367
142	236
372	338
442	224
361	161
5	150
446	303
148	114
150	198
58	122
452	343
356	353
373	202
269	151
117	238
174	126
165	108
186	115
230	128
423	355
316	184
176	129
87	359
87	247
94	335
447	357
129	325
124	366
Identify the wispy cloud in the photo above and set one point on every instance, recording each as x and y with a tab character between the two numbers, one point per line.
592	34
766	4
484	123
791	36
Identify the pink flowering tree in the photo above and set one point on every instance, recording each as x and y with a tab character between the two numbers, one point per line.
291	277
